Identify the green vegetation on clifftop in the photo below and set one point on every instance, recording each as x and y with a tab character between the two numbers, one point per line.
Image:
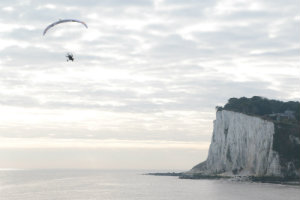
260	106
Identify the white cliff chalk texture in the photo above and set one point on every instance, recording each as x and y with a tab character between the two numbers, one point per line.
241	145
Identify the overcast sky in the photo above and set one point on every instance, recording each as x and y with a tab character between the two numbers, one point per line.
147	75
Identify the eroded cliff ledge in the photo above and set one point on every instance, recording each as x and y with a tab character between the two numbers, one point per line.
259	146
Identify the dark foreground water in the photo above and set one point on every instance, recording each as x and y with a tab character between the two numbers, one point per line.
130	185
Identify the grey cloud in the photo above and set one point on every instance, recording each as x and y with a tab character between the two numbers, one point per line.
9	3
241	41
254	16
194	95
289	87
18	100
288	32
89	94
170	60
186	94
85	3
190	2
294	52
27	14
23	34
88	3
30	55
159	27
279	4
191	12
174	47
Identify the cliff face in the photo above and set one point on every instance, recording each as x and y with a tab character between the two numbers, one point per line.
243	145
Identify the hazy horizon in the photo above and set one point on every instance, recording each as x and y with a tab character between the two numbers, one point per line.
147	76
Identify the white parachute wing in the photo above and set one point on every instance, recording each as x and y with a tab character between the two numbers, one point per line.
63	21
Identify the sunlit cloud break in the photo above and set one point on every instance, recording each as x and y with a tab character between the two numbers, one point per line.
46	143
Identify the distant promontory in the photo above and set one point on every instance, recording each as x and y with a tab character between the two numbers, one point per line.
256	138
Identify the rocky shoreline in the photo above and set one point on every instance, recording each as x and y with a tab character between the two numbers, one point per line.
166	174
258	179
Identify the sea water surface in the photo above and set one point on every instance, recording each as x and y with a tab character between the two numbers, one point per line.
130	185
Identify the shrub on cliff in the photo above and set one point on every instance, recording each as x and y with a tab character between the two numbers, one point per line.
261	106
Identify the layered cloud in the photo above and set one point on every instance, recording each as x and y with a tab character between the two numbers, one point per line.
145	70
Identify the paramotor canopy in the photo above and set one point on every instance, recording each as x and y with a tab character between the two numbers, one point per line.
63	21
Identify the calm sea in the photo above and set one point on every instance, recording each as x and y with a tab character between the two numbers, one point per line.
130	185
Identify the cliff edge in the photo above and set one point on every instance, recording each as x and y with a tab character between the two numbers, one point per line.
250	145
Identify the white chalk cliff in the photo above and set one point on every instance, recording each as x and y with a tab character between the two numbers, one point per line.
241	145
